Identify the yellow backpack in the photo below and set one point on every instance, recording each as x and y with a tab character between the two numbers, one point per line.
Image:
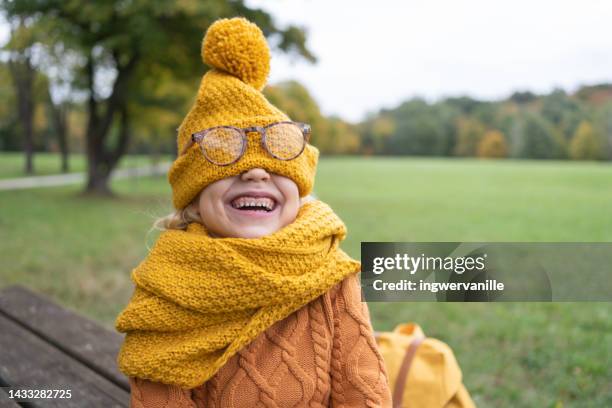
423	372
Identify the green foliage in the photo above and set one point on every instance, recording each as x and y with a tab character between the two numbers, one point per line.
375	132
157	106
604	122
418	130
159	35
464	104
537	126
533	137
9	139
521	97
136	64
563	111
447	116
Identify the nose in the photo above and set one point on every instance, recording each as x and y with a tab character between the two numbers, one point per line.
255	174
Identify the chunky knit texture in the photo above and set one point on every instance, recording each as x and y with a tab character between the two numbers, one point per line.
322	355
230	95
199	300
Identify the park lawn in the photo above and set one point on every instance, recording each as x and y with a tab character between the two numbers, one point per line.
12	163
80	250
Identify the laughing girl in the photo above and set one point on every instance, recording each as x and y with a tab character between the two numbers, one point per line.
246	298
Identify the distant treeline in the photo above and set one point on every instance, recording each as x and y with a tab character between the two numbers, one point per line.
557	125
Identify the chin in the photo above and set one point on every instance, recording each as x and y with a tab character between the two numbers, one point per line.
256	232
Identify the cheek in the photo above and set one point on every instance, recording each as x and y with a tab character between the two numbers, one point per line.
288	189
211	198
206	207
290	212
292	202
211	208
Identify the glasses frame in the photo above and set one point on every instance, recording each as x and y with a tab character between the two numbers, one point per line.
198	137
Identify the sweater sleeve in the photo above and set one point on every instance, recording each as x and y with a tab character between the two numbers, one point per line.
359	377
149	394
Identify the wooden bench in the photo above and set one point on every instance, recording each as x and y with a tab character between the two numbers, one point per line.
45	346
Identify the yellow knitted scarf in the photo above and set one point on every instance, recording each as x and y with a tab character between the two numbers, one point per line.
198	300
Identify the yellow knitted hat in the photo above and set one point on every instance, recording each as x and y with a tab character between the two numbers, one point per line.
230	94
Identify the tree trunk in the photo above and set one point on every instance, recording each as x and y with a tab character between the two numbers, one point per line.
59	114
61	125
98	175
23	73
63	145
100	160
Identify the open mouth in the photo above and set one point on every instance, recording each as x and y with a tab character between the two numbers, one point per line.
261	204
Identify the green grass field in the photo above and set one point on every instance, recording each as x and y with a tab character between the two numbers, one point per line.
80	251
11	164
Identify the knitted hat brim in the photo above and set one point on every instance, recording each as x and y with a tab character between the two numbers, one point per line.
192	172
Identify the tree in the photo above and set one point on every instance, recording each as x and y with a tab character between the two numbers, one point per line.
418	130
20	49
294	99
564	112
586	144
8	117
493	145
522	97
604	121
342	137
121	44
447	115
157	107
60	67
533	137
465	104
59	118
375	131
469	134
329	134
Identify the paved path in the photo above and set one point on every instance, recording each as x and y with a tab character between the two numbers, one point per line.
77	178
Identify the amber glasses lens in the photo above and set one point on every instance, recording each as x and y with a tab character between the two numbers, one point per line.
222	145
284	141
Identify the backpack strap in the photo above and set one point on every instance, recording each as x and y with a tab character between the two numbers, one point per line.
402	375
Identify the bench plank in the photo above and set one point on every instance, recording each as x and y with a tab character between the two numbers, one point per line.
33	363
78	336
6	402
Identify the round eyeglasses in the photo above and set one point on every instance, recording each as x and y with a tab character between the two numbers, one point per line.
225	145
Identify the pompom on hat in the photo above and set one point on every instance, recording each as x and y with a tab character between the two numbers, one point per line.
230	95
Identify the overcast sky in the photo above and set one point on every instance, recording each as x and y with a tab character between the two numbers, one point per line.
378	53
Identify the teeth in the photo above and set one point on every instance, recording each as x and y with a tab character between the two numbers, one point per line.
263	202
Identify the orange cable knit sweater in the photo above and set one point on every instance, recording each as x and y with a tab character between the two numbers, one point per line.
322	355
